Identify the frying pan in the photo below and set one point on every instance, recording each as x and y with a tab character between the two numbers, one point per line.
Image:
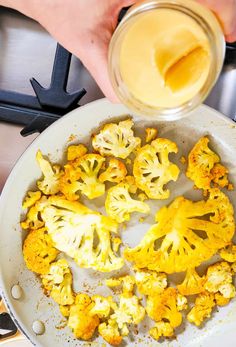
33	305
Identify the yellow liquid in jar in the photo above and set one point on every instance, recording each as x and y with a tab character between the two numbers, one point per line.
164	58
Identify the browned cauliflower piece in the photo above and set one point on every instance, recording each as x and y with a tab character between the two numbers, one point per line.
110	332
81	321
38	251
204	168
192	284
161	329
204	304
82	176
179	234
115	172
153	170
51	175
221	300
116	139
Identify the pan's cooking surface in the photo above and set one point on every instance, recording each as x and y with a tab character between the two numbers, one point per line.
34	305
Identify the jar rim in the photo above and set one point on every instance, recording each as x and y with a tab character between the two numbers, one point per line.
217	51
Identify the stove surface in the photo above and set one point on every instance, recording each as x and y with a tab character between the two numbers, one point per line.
27	51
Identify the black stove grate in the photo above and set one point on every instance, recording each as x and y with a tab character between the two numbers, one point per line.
37	112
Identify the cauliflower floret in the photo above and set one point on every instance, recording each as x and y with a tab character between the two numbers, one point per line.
116	139
76	151
52	173
65	310
220	175
229	253
129	311
204	168
151	134
102	306
115	172
179	234
153	170
31	199
221	300
82	176
130	180
182	302
202	309
119	203
81	320
33	218
192	284
73	228
164	306
233	267
110	332
127	283
161	329
38	251
58	282
150	282
219	278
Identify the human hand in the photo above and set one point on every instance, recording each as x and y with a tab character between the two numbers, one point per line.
225	10
85	28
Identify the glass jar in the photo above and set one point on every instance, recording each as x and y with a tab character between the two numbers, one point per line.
203	18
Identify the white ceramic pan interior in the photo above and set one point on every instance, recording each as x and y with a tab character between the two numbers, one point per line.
219	331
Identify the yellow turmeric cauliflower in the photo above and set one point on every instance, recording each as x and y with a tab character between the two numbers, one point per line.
164	308
129	311
51	175
188	233
102	306
220	175
58	283
76	151
161	329
153	170
229	253
203	167
82	175
219	278
116	139
81	320
150	282
38	251
115	172
127	282
221	300
119	203
73	228
31	199
151	134
130	180
33	218
192	284
110	332
204	304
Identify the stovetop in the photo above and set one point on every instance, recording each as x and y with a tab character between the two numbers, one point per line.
28	51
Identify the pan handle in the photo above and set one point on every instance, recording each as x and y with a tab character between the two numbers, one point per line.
6	323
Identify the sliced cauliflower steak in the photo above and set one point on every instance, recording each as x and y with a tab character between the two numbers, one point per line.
74	229
180	229
153	170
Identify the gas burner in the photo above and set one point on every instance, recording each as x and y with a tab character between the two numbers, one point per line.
37	112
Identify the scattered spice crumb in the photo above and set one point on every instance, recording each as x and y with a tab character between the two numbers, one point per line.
230	187
72	137
183	160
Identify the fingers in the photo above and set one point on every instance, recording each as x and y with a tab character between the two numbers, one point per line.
226	13
95	60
